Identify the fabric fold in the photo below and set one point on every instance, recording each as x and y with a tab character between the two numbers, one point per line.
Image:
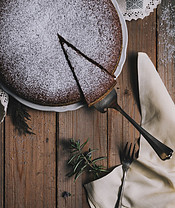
150	182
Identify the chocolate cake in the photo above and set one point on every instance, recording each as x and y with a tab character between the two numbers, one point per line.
32	61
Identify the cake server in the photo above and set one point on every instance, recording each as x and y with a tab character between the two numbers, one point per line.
110	101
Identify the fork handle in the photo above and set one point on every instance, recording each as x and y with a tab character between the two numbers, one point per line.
121	191
163	151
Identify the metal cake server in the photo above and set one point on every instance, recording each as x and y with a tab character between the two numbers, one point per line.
110	101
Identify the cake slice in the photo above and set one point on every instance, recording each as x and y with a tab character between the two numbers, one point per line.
93	80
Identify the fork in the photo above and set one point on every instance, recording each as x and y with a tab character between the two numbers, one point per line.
126	156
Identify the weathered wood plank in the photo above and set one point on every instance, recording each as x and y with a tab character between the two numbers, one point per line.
142	37
166	45
30	161
1	165
81	124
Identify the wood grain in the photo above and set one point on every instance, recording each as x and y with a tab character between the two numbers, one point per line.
1	165
142	37
81	124
166	45
30	176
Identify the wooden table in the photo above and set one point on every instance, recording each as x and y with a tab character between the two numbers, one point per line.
33	167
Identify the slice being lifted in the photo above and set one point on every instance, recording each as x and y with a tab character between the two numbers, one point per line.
89	75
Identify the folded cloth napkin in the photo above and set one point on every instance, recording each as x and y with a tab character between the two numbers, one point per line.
3	104
150	182
135	9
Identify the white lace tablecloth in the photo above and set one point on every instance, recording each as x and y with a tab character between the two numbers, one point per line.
4	98
135	9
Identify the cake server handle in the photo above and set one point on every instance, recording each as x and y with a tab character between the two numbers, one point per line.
110	101
163	151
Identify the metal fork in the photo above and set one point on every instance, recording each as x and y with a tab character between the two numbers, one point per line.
126	156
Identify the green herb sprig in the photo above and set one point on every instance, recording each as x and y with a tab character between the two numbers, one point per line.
81	161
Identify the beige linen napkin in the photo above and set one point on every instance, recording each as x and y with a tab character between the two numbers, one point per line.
150	182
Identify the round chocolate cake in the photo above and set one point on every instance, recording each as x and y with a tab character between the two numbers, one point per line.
33	63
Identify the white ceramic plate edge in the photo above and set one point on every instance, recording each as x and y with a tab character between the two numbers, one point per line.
125	40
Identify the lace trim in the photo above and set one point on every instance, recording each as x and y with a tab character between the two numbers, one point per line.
4	99
135	9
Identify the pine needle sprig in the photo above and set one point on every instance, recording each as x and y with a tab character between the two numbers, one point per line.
81	161
19	116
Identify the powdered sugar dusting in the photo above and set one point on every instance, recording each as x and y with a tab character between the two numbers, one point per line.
31	56
167	35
